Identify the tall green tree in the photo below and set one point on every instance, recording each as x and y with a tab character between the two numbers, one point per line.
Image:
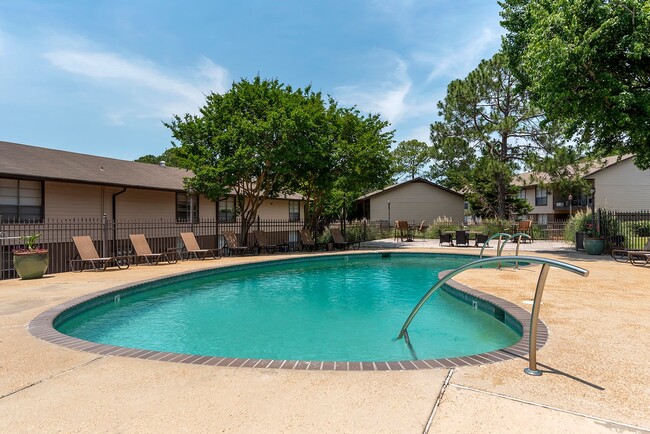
248	140
410	157
586	63
347	154
489	130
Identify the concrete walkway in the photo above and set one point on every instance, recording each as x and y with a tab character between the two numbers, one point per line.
595	367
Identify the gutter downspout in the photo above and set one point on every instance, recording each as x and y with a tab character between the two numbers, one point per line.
114	212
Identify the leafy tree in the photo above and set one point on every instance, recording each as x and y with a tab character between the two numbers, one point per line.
170	158
587	63
348	154
489	129
410	157
249	140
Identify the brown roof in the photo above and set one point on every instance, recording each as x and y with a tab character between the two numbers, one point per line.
401	184
32	162
524	179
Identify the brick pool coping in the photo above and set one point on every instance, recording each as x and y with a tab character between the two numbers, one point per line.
42	327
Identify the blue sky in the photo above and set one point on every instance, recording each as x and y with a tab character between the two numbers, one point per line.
100	77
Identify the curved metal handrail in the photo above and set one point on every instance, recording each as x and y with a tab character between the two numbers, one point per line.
500	235
519	235
547	263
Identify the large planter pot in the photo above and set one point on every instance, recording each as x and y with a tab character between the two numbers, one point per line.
594	246
31	265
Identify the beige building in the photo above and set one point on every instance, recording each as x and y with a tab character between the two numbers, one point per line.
414	200
39	183
617	184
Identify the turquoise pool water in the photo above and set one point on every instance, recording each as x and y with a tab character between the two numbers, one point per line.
337	308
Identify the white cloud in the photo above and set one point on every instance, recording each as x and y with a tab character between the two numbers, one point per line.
387	97
155	91
457	64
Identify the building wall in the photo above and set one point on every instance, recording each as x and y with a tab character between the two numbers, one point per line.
64	200
207	209
622	187
146	204
69	200
417	201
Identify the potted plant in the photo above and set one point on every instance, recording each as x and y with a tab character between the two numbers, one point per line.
594	242
30	261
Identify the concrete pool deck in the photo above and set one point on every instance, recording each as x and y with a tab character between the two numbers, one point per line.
595	367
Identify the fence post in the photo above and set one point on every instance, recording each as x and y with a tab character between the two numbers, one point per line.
104	237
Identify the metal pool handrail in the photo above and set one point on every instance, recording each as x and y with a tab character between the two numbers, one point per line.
537	302
500	235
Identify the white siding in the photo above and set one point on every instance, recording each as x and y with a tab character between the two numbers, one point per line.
417	201
622	187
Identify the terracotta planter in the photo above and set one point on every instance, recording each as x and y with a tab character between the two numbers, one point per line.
594	246
31	265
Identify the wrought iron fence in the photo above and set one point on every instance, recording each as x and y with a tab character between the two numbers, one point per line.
624	229
111	238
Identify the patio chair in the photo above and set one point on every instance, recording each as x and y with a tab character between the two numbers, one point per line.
88	254
402	231
524	227
445	238
193	250
232	244
480	239
262	242
143	251
340	242
422	229
639	258
307	241
462	237
623	255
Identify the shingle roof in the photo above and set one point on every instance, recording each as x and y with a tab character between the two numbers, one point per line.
401	184
54	165
524	179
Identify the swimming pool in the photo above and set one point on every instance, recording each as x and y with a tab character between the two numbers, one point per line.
344	307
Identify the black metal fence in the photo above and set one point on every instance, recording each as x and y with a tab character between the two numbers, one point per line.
624	229
111	238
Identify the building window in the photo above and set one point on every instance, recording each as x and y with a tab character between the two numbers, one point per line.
522	193
294	211
541	197
187	208
227	209
21	200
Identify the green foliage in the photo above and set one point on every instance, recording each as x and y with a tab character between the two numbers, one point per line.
489	130
29	243
586	63
579	222
495	226
410	157
170	157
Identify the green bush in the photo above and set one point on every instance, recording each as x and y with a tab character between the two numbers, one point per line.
579	222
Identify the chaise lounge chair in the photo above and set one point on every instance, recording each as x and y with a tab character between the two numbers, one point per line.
262	242
632	255
88	254
232	244
193	250
143	251
307	241
339	241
